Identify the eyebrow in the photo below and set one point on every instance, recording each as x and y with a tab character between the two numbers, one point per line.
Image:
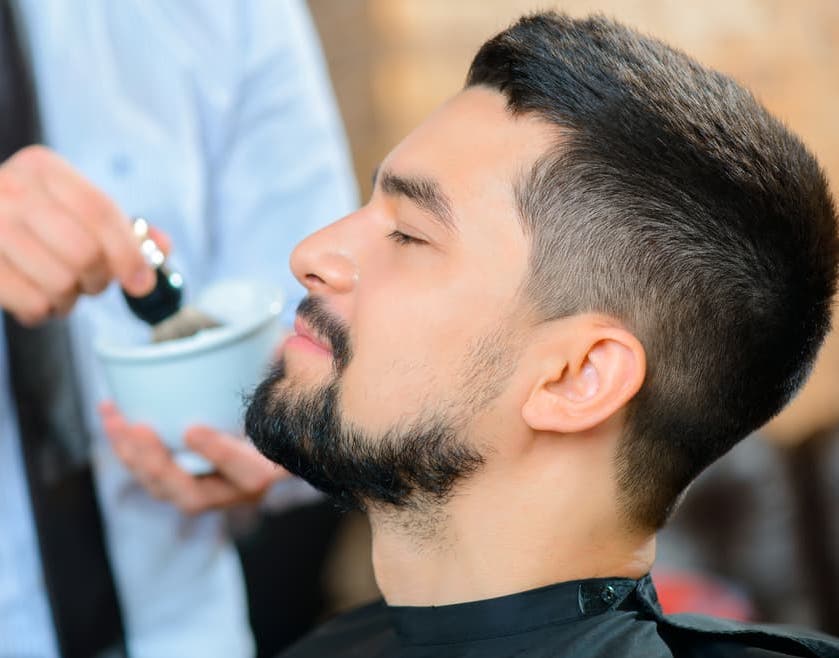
424	192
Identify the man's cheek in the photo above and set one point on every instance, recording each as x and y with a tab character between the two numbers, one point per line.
386	390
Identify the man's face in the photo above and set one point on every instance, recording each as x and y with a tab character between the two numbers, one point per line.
399	381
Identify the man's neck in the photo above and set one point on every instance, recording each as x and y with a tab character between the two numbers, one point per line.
511	540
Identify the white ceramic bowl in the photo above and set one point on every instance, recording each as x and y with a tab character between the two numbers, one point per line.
200	379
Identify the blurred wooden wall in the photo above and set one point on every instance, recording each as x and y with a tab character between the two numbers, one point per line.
393	61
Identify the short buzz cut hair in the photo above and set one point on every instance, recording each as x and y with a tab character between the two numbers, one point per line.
674	202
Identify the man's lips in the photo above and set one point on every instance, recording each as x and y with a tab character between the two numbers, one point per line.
305	338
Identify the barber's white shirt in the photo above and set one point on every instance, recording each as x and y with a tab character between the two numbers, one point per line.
216	121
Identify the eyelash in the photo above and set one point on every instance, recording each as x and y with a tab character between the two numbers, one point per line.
401	238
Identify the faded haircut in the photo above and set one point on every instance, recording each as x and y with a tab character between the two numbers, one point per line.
672	201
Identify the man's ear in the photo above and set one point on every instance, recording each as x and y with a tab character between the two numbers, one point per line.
602	367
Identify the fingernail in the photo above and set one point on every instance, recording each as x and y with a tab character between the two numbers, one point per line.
142	279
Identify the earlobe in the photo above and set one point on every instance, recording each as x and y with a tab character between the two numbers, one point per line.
603	371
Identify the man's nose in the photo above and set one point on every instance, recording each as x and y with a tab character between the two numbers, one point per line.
324	262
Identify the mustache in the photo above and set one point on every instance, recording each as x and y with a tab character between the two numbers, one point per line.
329	328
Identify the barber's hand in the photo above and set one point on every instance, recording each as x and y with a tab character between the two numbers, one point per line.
60	237
242	475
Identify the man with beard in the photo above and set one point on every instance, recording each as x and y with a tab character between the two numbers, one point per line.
582	280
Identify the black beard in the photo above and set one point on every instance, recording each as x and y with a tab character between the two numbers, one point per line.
409	466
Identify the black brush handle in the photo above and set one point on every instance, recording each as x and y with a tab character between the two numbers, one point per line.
163	301
165	298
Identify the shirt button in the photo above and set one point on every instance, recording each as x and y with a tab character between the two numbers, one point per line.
121	165
608	594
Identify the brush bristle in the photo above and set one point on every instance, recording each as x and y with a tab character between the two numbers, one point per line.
183	324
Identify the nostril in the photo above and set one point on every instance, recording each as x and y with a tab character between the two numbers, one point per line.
314	278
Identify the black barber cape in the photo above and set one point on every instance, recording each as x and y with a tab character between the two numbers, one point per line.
609	618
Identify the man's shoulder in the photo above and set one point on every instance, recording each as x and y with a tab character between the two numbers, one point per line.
370	617
364	632
710	637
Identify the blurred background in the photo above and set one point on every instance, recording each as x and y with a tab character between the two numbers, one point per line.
758	535
393	61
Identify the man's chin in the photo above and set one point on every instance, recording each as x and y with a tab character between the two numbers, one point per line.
296	422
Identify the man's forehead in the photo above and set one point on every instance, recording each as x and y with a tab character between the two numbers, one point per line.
472	141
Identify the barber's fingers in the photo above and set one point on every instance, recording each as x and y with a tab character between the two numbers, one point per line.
108	411
36	172
23	251
235	460
152	464
161	239
113	229
142	452
214	492
71	243
21	297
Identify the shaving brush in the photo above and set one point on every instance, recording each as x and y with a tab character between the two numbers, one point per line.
161	308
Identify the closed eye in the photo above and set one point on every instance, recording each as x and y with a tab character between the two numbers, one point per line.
402	238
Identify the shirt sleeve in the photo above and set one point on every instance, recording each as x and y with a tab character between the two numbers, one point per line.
281	169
